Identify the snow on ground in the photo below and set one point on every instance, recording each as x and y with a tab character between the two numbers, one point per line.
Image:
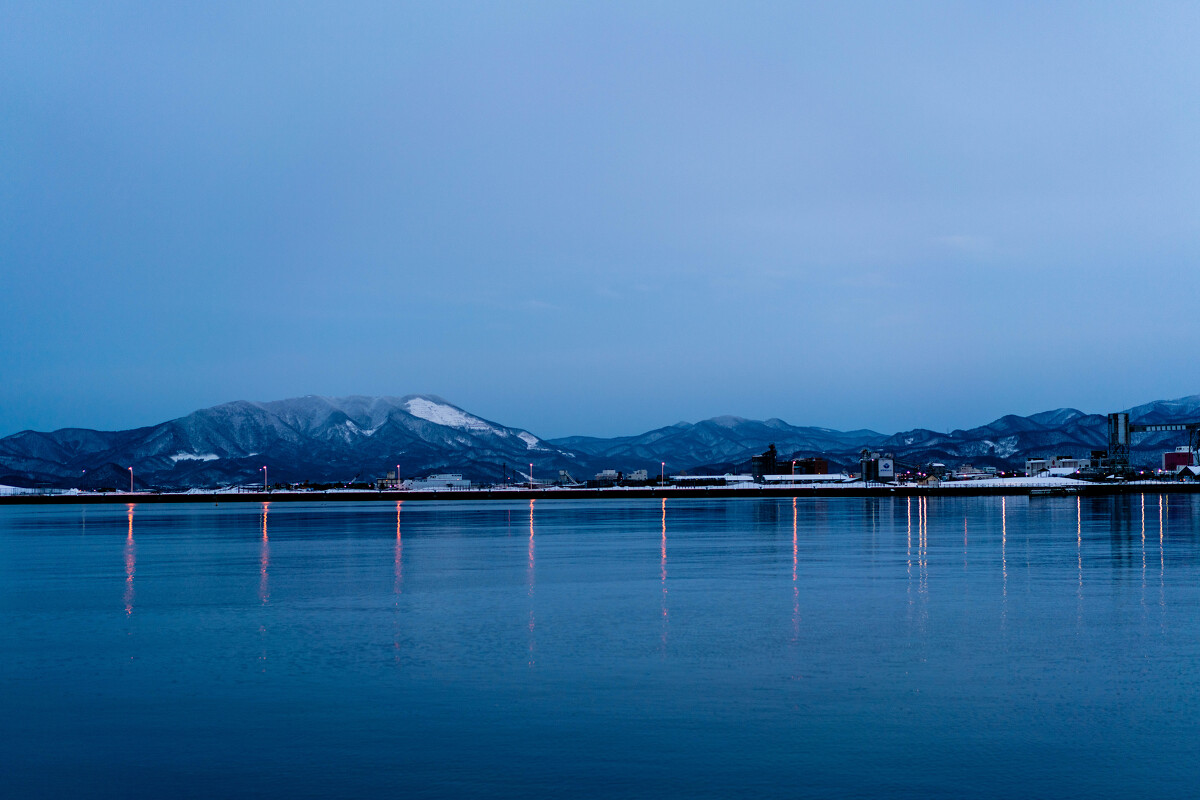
1042	482
192	457
440	414
9	491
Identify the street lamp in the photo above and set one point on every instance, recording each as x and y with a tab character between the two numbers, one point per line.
131	480
397	476
531	476
264	472
662	475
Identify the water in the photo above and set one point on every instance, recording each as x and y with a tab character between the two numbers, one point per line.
955	647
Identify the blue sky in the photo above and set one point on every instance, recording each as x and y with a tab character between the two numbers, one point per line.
603	218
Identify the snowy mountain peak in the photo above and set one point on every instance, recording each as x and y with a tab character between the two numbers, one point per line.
446	414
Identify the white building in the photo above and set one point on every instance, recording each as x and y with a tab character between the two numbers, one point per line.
968	472
1055	465
444	481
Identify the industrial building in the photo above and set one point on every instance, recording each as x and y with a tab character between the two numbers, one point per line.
608	476
1056	465
969	472
442	481
1181	457
1120	433
446	481
769	463
611	477
876	468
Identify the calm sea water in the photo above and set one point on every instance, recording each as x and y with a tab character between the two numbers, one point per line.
973	647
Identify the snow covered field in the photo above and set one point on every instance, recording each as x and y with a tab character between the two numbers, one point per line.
1046	482
11	491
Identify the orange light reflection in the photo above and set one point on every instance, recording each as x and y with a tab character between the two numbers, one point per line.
398	558
130	562
264	560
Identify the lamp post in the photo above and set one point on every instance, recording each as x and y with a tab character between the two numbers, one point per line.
397	476
131	480
662	474
531	476
264	472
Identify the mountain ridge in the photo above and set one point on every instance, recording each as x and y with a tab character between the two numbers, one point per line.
338	439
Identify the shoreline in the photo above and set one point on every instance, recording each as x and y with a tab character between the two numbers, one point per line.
724	492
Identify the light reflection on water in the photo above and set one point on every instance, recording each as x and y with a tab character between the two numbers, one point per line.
130	563
795	570
532	580
663	577
398	557
1010	646
264	560
1004	560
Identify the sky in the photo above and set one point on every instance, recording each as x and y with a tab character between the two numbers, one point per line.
599	218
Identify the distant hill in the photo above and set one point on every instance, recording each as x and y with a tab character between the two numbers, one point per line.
337	439
718	442
727	443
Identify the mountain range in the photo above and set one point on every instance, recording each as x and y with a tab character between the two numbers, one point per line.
342	439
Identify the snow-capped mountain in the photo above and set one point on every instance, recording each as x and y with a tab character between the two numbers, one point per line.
325	439
307	438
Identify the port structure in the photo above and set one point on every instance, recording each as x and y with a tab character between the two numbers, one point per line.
1120	431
